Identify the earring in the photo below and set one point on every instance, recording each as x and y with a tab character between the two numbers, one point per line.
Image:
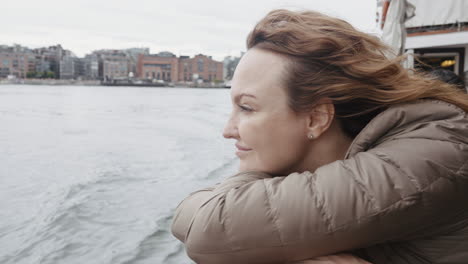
311	136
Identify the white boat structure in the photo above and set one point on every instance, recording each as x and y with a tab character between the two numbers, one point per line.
436	32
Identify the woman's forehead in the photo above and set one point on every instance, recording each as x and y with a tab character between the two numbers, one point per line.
259	73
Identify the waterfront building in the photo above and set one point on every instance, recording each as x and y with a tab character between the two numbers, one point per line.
108	65
133	54
112	64
67	66
48	60
79	68
185	69
162	66
42	65
91	67
200	67
165	66
113	69
15	61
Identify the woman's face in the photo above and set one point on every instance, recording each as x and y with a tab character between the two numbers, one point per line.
269	136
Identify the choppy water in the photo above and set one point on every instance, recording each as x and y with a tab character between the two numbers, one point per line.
93	174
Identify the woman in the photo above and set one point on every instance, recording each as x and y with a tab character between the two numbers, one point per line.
375	157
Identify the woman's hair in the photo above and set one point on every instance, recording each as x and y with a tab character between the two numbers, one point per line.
449	77
328	58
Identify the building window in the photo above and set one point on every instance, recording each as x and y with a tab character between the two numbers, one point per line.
158	77
6	63
169	76
164	76
200	65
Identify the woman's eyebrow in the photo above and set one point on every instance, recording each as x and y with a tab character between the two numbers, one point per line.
238	97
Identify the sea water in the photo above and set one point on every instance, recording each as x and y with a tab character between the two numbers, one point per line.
92	174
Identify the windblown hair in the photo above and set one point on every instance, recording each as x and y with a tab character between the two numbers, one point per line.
328	58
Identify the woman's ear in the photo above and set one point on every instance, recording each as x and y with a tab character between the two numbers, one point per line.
320	118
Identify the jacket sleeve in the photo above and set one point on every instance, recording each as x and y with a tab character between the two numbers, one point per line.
354	203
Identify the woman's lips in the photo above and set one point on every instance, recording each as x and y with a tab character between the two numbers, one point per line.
241	148
241	151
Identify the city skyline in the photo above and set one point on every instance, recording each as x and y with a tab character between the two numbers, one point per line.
110	65
217	28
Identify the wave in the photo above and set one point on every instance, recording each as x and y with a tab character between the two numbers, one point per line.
63	213
156	246
175	255
226	167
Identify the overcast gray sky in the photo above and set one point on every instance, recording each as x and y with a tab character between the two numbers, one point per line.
212	27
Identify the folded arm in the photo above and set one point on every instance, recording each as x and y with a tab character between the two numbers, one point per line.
345	205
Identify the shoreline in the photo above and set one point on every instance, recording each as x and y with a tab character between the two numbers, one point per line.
55	82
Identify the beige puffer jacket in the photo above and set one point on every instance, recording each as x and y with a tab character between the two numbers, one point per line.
400	196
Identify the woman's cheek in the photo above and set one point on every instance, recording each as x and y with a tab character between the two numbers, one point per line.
248	131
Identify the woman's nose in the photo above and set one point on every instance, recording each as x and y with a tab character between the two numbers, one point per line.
230	130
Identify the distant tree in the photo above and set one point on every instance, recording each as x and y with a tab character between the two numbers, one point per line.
47	75
51	75
231	67
31	74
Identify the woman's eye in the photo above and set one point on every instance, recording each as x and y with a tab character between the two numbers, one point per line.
245	108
